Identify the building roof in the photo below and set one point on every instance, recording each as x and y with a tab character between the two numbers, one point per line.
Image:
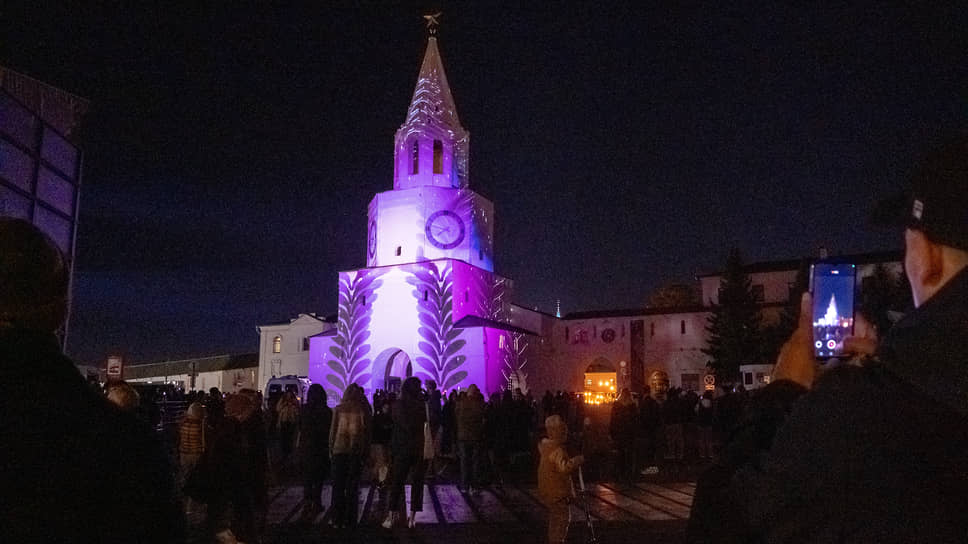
793	264
292	319
470	321
202	364
631	312
535	310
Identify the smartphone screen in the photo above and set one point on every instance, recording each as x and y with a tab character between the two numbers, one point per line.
832	286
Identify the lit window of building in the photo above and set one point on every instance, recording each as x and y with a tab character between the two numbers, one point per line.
277	344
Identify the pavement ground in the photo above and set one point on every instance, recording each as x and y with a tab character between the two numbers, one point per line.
651	510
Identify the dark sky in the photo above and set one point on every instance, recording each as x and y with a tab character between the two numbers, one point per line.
230	153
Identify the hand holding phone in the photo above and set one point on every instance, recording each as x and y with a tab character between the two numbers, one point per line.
832	286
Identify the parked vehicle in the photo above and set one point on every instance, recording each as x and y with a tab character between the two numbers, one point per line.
275	387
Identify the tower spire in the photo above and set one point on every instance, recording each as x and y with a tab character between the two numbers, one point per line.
431	145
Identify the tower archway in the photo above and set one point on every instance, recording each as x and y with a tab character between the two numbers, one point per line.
390	368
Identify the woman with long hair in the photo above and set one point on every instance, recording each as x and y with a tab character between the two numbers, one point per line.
349	442
313	449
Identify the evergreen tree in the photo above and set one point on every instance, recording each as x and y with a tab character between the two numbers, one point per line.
882	294
734	326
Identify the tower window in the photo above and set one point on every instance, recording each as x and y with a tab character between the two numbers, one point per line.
438	157
480	255
305	344
399	250
277	344
426	294
415	158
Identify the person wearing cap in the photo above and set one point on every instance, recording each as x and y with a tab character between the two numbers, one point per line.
74	467
875	452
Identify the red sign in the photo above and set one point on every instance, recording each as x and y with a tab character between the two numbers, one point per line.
115	369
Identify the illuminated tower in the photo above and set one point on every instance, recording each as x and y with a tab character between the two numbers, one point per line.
430	213
830	318
428	303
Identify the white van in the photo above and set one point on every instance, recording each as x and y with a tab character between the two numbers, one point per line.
275	387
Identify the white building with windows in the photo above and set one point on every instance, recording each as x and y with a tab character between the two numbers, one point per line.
284	347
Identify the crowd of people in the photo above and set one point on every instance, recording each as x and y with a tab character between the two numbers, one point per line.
230	447
866	451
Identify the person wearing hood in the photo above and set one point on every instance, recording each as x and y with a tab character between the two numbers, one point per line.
555	489
470	437
875	452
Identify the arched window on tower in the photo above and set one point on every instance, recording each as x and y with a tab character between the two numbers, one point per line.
415	158
438	157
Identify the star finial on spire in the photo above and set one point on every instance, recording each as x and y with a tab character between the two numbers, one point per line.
432	22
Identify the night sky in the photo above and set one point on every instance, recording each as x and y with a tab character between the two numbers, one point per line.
230	153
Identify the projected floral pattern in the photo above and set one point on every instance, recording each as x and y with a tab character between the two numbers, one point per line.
515	359
491	295
440	342
356	297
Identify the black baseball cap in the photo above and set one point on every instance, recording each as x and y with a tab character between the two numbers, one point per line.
936	199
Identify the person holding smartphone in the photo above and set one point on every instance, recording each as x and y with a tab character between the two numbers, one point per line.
876	452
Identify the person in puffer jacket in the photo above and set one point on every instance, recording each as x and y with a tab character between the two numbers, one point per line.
555	489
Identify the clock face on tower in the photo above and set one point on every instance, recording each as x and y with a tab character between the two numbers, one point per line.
444	229
371	240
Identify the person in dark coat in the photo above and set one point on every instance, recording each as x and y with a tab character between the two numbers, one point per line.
314	426
448	444
650	423
237	472
621	428
875	451
74	467
470	437
409	414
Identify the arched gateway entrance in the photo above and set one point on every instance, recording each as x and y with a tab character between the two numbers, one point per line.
390	368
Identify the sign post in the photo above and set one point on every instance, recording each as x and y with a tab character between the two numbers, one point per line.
115	368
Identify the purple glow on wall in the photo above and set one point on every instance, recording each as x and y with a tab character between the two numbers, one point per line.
349	363
440	343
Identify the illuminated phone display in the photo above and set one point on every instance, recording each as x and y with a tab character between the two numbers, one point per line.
832	286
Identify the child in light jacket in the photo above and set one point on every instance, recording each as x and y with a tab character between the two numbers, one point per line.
554	477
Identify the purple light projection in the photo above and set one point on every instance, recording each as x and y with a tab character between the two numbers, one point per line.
515	359
441	343
356	298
